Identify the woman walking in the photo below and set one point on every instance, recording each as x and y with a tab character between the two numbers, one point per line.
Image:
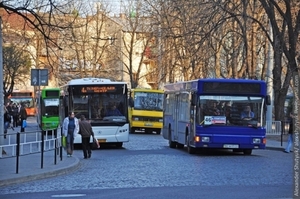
291	134
70	130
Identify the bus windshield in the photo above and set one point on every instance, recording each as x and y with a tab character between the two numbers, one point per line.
51	107
27	101
148	101
104	106
230	110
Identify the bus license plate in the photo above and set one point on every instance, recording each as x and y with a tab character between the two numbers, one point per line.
231	146
148	124
102	140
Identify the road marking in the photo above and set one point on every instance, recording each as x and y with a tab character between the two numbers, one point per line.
67	195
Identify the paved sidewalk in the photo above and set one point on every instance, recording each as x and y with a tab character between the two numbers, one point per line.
30	167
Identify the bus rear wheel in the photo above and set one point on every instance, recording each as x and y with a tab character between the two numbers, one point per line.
171	143
247	151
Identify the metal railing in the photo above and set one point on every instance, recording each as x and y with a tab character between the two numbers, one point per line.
277	127
32	142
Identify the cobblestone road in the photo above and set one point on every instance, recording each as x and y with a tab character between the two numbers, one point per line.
147	161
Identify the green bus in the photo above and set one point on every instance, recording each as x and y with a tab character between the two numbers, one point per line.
48	107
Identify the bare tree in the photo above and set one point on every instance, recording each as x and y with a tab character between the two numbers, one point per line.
138	41
88	45
16	65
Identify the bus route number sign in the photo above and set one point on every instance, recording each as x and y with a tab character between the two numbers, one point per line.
98	89
209	120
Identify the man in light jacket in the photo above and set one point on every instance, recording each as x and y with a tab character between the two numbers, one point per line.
70	130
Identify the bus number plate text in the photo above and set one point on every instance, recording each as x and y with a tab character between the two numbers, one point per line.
148	124
102	140
231	146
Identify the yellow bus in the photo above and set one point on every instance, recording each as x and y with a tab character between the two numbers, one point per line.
146	110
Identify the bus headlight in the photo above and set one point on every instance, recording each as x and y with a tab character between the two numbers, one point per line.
135	118
256	141
160	120
122	130
205	139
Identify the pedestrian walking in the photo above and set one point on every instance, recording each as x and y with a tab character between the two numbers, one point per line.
86	131
70	130
7	120
15	114
23	116
291	134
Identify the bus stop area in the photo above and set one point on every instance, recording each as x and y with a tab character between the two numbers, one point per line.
30	165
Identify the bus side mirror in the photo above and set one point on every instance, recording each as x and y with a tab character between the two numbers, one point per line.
268	100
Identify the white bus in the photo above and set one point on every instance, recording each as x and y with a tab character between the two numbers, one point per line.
94	98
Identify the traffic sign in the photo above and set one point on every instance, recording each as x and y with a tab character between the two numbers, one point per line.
39	77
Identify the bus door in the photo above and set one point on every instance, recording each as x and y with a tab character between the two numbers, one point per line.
193	113
176	115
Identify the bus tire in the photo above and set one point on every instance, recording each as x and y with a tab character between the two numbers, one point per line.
180	146
190	149
132	130
119	144
148	131
157	131
171	143
247	151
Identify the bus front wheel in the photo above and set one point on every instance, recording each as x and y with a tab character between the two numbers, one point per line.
191	150
157	131
119	144
247	151
132	130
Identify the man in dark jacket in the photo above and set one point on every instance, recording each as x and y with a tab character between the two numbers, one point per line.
85	130
7	120
23	115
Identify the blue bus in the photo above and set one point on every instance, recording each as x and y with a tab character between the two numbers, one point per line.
216	113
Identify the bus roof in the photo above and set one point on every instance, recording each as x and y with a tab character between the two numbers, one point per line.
198	85
92	81
148	90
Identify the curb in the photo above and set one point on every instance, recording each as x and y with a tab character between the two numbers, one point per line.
61	171
281	148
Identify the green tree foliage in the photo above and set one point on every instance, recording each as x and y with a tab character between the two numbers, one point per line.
16	67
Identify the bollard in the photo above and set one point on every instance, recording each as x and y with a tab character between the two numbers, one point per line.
55	147
42	150
18	152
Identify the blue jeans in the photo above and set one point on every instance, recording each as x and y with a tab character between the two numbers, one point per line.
70	143
290	143
6	126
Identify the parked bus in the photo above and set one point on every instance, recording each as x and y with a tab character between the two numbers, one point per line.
104	103
48	109
25	97
146	110
206	113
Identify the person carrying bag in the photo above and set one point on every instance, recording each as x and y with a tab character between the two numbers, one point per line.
85	130
23	115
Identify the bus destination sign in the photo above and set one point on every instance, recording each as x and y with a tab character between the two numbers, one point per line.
98	89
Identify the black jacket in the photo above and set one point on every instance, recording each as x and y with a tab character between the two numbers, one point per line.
291	126
7	117
85	129
23	113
